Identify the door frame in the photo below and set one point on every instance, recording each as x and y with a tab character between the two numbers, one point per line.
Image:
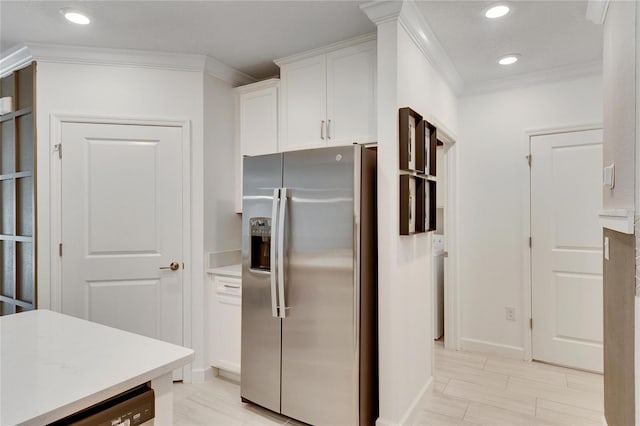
55	190
527	287
452	321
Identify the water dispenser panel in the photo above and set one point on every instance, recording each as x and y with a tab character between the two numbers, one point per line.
260	231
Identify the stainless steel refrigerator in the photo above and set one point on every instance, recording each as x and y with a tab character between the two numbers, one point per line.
309	285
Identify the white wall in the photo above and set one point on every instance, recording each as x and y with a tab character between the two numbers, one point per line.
123	92
405	78
222	225
491	166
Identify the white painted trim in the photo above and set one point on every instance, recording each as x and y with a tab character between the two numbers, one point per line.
264	84
597	11
531	79
526	220
507	351
452	311
121	57
326	49
620	220
15	59
412	415
224	72
55	191
527	333
414	22
604	421
202	375
380	12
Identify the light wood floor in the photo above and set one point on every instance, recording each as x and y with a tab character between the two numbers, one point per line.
468	389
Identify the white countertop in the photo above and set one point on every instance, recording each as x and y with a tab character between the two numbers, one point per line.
229	270
53	365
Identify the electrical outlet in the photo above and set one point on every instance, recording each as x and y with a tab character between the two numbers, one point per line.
510	313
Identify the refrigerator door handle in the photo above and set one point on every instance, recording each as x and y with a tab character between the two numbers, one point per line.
284	193
272	260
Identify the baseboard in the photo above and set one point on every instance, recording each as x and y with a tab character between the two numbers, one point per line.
604	421
412	415
201	375
473	345
228	375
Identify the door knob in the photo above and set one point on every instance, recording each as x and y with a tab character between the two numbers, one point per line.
174	266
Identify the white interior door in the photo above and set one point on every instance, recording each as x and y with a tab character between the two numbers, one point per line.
121	224
566	258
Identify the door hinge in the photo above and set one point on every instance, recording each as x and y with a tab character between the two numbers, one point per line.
58	148
60	249
529	160
530	242
531	323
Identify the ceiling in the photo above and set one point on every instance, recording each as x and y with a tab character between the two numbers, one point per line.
248	35
548	34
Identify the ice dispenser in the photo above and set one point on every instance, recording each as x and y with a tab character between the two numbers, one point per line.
260	243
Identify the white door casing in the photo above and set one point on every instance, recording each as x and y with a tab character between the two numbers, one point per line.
566	254
121	220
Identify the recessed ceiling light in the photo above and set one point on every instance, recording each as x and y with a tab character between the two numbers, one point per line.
497	11
509	59
75	16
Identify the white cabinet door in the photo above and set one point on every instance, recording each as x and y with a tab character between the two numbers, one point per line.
226	324
258	112
303	108
351	95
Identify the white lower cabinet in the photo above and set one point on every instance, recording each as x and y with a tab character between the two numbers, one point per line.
225	316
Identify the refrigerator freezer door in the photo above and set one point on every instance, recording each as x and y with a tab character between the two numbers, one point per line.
261	331
319	333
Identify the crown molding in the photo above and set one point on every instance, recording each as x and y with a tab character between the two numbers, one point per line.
224	72
121	57
259	85
326	49
15	59
414	22
597	11
534	78
381	11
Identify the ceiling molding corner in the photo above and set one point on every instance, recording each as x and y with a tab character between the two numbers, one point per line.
531	79
597	11
17	58
381	11
224	72
419	30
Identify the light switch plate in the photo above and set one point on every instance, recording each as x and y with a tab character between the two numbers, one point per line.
609	176
606	248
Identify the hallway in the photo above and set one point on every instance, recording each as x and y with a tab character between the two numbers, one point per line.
477	389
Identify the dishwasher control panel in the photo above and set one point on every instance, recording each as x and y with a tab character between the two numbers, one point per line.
131	408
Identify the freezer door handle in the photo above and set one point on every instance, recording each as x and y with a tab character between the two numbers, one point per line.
272	259
284	193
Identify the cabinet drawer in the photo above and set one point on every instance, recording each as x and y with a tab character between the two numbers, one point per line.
228	286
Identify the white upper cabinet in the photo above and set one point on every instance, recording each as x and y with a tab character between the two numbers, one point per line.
351	95
304	104
328	96
258	117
